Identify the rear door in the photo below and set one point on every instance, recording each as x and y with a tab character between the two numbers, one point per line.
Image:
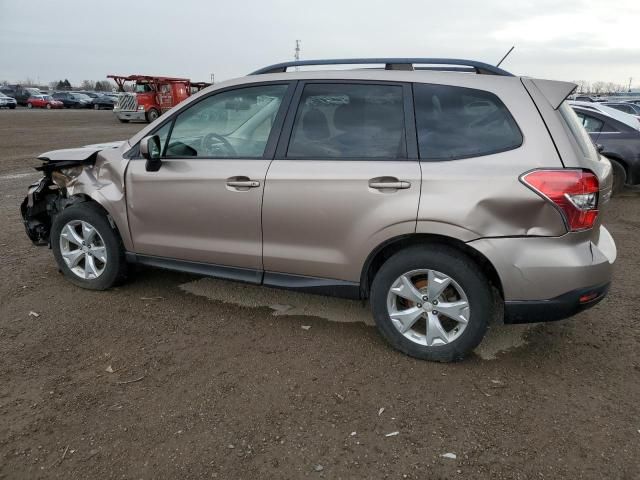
345	179
204	203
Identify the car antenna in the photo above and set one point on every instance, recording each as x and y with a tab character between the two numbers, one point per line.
505	56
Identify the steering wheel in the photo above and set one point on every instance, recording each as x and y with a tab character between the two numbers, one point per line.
217	146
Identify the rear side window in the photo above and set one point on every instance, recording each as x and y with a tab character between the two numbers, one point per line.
341	121
458	122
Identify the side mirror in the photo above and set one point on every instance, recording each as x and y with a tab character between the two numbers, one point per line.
600	147
150	150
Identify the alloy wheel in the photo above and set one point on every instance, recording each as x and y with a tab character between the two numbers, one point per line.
83	249
428	307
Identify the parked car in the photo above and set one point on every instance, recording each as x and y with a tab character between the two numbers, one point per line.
44	101
626	107
7	101
105	101
618	141
73	100
632	120
91	95
20	93
413	189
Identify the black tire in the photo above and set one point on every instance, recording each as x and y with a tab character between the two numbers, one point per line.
151	115
122	120
12	107
48	106
96	106
115	269
29	105
452	263
619	177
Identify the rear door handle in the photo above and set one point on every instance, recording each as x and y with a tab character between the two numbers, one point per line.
383	184
242	182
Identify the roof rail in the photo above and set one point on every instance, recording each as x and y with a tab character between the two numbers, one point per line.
395	64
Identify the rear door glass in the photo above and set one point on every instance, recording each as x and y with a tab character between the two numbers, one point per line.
341	121
458	122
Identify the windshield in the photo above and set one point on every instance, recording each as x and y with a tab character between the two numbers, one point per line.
143	88
47	97
81	96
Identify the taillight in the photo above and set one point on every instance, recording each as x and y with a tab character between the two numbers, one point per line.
574	192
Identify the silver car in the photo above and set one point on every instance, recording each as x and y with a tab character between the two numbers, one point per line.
447	192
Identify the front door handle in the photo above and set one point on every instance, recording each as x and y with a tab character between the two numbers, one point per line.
242	183
388	183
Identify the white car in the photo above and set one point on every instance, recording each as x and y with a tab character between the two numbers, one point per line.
632	120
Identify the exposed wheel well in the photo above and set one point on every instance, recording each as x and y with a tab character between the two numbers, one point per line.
387	249
619	160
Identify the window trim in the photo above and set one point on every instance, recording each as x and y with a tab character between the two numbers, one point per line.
411	145
474	155
274	134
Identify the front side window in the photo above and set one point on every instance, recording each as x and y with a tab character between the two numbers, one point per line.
341	121
457	122
231	124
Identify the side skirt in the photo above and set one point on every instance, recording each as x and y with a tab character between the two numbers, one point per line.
315	285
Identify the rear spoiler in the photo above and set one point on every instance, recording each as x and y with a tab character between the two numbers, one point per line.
554	91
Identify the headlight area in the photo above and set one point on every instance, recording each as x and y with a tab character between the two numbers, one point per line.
64	176
48	197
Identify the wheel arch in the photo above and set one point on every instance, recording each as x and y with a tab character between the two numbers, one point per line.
386	249
95	200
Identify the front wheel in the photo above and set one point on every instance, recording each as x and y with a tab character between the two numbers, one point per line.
96	106
151	115
87	249
432	302
48	106
29	105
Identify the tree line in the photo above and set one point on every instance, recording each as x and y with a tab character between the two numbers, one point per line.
600	88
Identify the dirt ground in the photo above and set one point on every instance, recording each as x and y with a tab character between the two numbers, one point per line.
173	376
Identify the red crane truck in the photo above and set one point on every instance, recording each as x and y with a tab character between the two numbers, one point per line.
151	96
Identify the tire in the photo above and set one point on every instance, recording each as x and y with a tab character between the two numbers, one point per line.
123	120
96	106
442	261
29	105
619	177
12	107
48	106
107	241
151	115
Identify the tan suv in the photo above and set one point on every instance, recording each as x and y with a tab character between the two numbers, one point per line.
447	192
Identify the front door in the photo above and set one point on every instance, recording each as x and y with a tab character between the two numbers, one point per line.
204	203
345	181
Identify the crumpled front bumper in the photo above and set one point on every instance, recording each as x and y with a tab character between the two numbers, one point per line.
35	211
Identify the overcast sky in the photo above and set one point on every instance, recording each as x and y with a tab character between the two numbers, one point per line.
84	39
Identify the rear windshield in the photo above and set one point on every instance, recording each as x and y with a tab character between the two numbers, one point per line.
578	132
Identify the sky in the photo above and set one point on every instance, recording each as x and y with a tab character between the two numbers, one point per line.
87	39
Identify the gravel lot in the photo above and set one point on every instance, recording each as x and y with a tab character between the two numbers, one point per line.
218	380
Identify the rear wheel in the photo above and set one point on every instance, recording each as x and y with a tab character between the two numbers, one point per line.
96	106
87	249
152	114
29	105
48	106
619	177
432	302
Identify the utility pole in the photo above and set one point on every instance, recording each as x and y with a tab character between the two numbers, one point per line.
630	80
297	54
213	78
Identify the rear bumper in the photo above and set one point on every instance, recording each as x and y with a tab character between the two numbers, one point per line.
563	306
543	278
129	114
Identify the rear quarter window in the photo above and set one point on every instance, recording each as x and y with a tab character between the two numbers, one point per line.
577	130
459	122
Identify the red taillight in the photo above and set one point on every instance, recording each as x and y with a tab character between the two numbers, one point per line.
574	192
